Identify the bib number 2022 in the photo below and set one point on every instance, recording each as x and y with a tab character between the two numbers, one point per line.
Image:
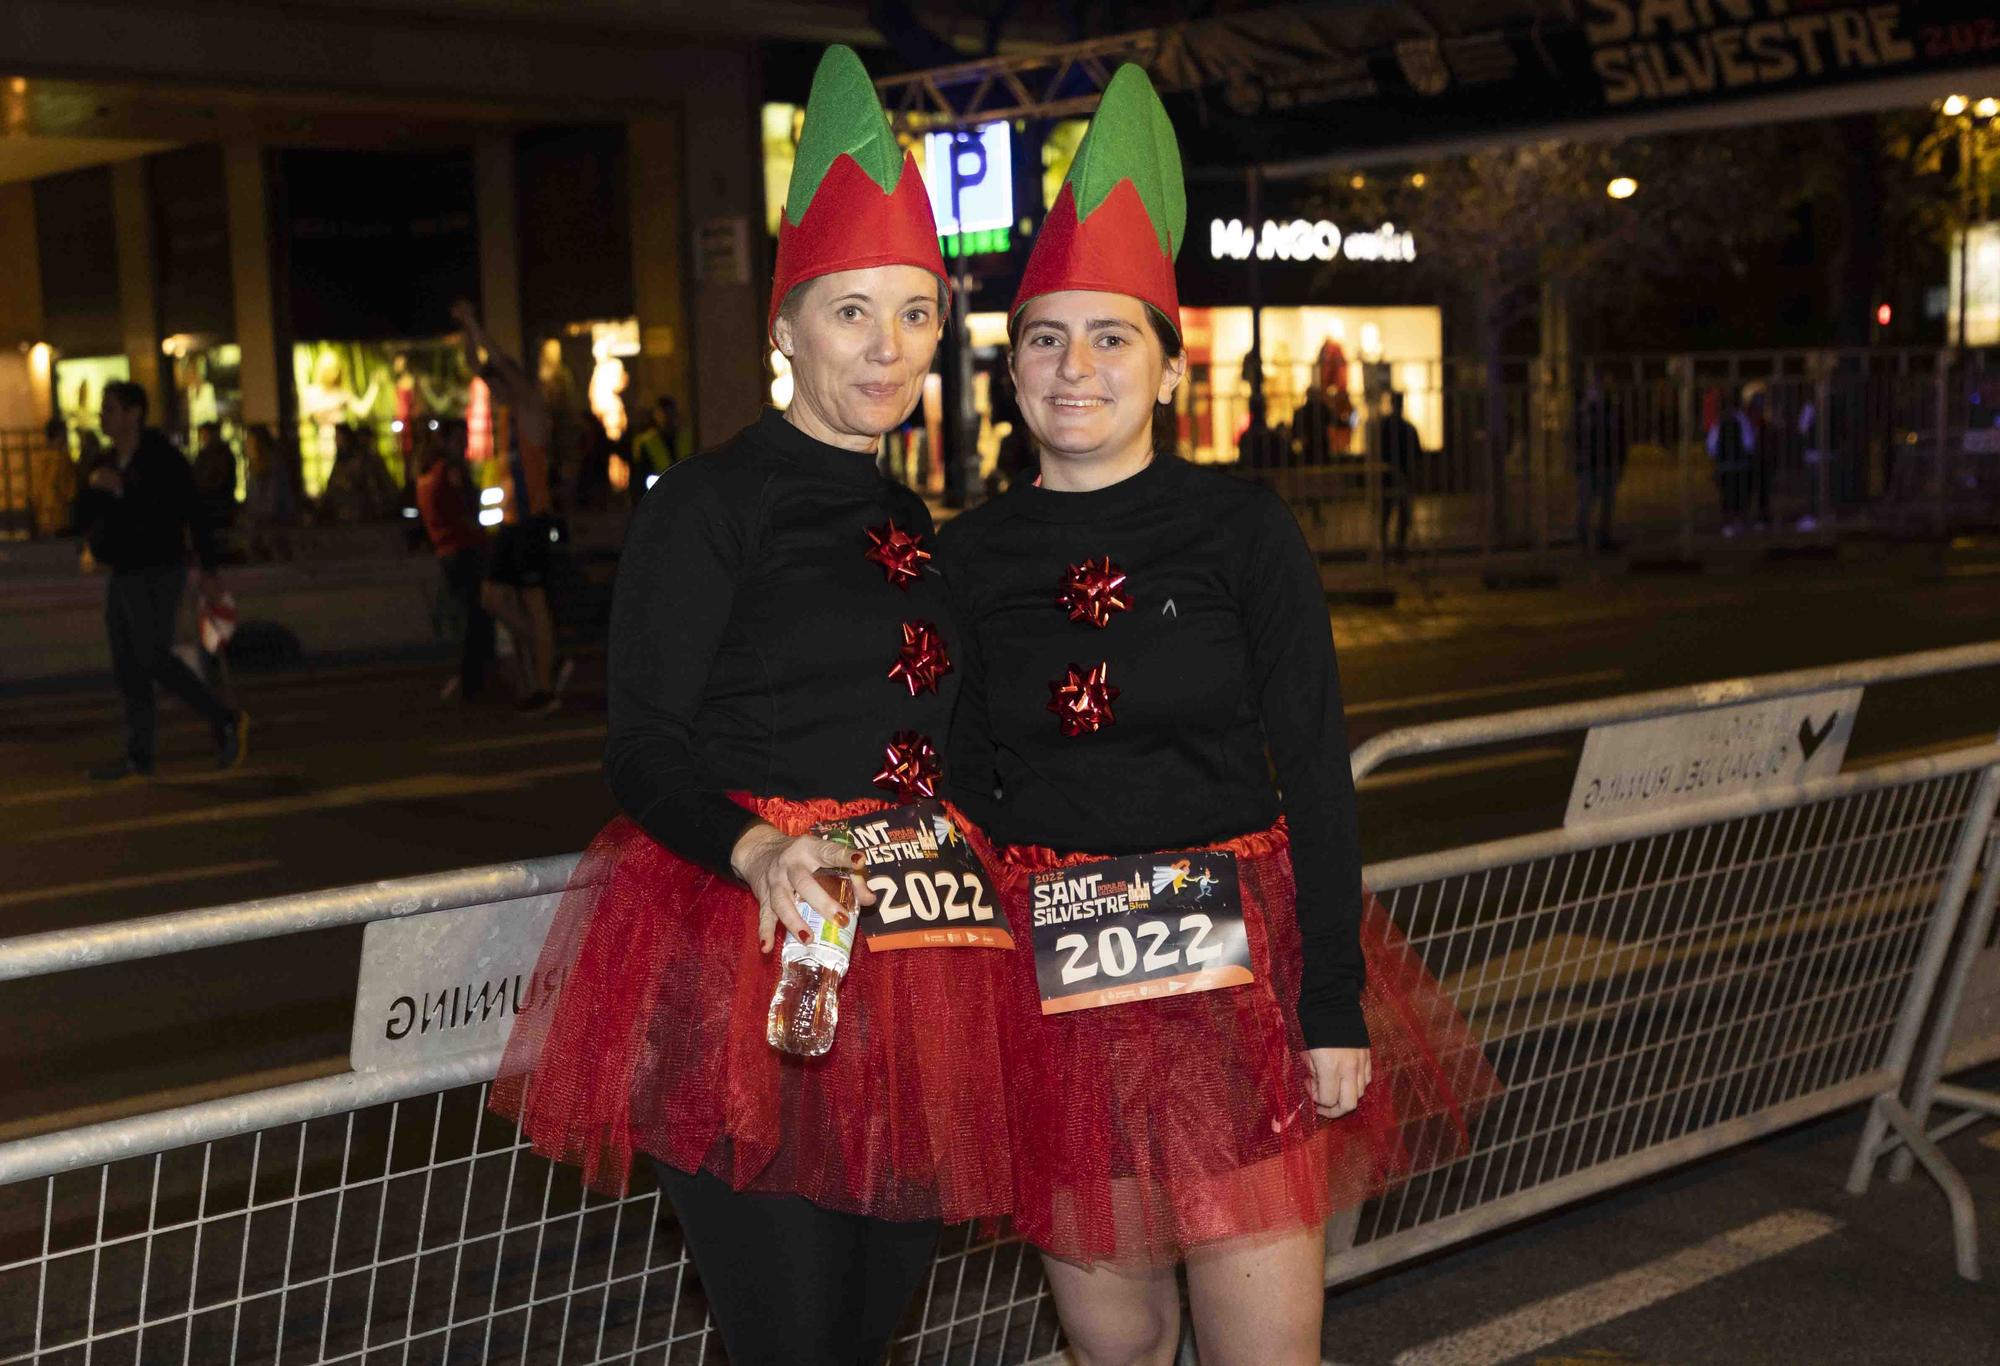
1150	946
930	895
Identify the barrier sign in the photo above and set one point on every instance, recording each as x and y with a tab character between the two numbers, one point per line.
1634	767
451	982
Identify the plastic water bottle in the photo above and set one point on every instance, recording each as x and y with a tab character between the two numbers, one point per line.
805	1009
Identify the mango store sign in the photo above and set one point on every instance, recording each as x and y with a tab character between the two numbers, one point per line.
1300	239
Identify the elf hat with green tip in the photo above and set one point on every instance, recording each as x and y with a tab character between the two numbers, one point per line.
856	199
1117	225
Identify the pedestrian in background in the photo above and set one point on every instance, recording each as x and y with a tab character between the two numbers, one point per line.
1599	449
657	447
1397	446
1732	446
270	499
215	474
359	489
138	514
449	507
516	592
1763	450
52	482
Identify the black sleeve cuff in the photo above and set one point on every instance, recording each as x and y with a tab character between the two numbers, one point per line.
1333	1020
700	826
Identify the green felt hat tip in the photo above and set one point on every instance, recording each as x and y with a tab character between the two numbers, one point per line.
843	115
1131	138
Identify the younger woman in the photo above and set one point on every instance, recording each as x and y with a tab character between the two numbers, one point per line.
1190	1070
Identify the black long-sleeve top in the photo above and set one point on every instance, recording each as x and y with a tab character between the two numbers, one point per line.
1226	672
149	524
752	638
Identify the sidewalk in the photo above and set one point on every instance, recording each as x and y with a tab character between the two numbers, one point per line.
360	592
349	592
1427	599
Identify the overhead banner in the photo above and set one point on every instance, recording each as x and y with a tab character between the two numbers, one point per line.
1311	81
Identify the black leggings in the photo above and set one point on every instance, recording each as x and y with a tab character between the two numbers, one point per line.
791	1283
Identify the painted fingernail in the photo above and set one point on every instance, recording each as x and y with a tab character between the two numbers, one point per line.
804	937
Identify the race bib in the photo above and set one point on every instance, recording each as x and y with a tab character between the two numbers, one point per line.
930	890
1137	929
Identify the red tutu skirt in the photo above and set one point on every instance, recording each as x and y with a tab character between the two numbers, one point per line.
654	1042
1145	1130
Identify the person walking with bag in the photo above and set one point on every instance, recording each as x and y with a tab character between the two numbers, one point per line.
138	514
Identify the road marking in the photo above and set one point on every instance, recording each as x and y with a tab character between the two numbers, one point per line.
1437	699
1454	768
198	777
544	737
1897	756
421	787
121	884
1553	975
110	721
1563	1316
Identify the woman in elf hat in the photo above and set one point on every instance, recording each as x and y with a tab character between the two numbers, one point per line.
780	657
1211	1044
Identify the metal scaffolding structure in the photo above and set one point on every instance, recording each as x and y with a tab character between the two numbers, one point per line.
1059	83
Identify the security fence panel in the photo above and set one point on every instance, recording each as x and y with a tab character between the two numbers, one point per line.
1653	990
1705	951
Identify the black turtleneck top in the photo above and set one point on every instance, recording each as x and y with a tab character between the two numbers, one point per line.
752	638
1227	678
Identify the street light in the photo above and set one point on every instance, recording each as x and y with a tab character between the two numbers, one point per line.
1624	187
1954	105
1987	107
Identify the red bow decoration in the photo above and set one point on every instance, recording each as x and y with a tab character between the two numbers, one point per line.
923	660
910	769
1090	592
1083	700
900	554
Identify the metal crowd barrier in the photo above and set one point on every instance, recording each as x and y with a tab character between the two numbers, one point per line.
1650	990
1964	1033
1655	989
377	1216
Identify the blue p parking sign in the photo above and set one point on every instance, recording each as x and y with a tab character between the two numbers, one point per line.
971	178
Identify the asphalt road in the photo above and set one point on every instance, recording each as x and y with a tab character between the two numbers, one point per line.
363	773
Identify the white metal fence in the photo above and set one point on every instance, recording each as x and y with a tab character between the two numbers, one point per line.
1884	440
1656	988
1650	991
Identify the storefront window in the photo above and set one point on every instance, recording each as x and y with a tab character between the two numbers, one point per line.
386	391
1058	151
781	148
206	381
1355	355
80	382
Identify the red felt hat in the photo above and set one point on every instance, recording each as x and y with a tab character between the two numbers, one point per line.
1117	225
856	199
